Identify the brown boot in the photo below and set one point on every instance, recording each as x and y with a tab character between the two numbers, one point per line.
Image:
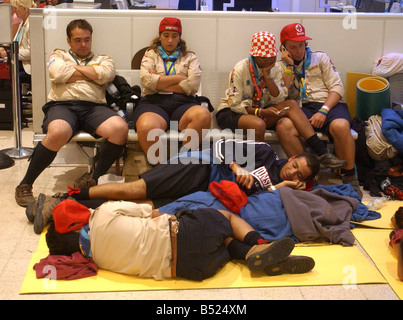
42	211
292	265
24	195
260	256
85	181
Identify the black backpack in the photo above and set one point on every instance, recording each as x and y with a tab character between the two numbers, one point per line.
119	93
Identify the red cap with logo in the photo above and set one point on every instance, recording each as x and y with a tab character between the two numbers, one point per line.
170	24
294	32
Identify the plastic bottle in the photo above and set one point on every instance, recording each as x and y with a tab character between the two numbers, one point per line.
377	203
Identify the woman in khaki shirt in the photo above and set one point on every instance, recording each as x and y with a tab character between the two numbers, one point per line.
170	76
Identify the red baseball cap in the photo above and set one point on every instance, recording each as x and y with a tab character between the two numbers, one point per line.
229	194
295	32
170	24
70	215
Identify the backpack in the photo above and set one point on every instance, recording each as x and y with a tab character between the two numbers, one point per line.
378	147
120	95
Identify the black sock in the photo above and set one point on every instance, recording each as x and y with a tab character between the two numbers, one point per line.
81	194
41	158
317	145
254	238
348	173
237	249
108	154
92	204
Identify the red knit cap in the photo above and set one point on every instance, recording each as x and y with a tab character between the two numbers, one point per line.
229	194
170	24
70	215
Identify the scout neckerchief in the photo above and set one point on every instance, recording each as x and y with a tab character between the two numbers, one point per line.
260	85
301	75
86	61
18	35
169	60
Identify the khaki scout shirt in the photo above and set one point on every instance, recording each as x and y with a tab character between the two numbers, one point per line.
152	68
60	66
126	239
321	78
240	92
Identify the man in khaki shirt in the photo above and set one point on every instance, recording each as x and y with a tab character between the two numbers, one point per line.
131	238
255	100
77	102
311	78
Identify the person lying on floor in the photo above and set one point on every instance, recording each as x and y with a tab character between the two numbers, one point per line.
253	165
192	244
396	240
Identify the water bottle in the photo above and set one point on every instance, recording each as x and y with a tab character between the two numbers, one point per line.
113	91
377	203
121	114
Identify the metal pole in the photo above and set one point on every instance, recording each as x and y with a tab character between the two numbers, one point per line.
18	152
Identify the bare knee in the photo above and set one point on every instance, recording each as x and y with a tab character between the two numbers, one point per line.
286	126
115	129
58	134
148	121
197	117
340	128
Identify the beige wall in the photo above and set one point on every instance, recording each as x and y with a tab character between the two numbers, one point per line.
220	39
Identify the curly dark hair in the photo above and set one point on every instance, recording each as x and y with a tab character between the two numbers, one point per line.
62	243
399	218
312	161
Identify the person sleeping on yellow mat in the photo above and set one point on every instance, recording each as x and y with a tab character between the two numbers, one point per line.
131	238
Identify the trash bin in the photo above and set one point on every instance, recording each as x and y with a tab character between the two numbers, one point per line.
373	94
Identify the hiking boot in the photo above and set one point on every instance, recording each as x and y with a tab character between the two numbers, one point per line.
42	211
24	195
85	181
260	256
292	264
353	181
331	161
31	209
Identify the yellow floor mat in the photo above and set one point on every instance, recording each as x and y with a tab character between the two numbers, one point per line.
335	265
375	242
387	211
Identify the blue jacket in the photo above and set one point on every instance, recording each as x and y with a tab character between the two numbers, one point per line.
272	223
392	128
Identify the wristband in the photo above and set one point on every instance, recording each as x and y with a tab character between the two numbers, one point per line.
322	111
288	72
256	110
326	108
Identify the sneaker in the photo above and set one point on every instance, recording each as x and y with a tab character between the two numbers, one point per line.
24	195
331	161
260	256
85	181
353	181
292	265
42	211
